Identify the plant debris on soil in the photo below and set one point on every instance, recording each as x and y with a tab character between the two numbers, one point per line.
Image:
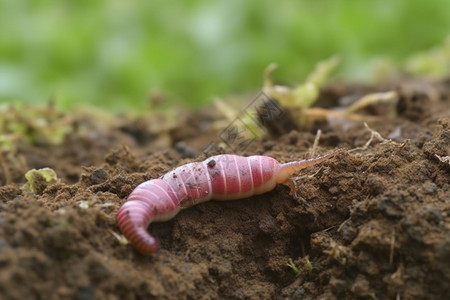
371	223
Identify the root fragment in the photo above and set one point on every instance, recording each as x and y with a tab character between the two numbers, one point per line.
443	159
377	135
316	142
309	154
371	99
122	239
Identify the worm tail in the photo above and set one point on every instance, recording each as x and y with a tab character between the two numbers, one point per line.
288	169
150	201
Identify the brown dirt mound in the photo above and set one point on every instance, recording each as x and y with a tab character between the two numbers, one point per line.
369	224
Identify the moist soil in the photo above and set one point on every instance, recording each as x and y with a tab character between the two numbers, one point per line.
371	223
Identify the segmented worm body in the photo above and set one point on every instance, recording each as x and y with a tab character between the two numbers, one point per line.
220	177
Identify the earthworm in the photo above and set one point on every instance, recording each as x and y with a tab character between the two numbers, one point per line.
220	177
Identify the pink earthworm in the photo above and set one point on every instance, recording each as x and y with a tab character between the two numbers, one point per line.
220	177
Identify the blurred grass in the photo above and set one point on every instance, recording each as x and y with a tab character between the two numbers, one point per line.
112	53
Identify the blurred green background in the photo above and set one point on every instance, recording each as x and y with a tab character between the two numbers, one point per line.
113	53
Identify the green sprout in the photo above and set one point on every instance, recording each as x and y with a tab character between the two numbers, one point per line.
36	177
434	63
296	270
309	265
33	125
305	94
120	238
293	267
298	98
373	296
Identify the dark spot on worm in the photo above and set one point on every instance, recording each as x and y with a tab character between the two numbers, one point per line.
186	199
211	163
